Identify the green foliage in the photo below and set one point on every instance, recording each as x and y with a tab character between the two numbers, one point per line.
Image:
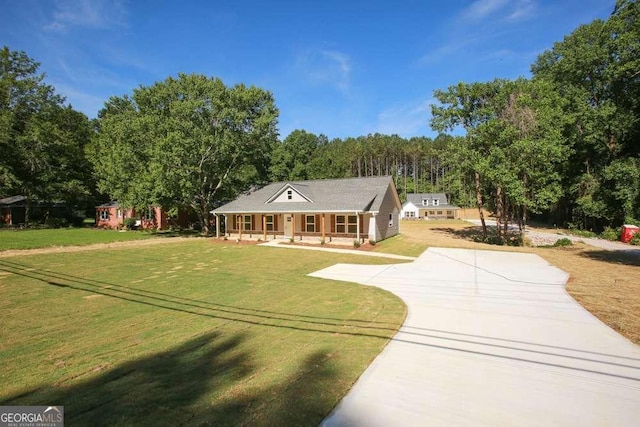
189	141
563	242
513	146
356	244
42	141
632	221
129	223
635	240
595	69
611	234
290	158
576	231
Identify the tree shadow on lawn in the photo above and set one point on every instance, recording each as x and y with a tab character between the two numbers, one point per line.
474	234
194	383
199	381
192	306
468	233
631	257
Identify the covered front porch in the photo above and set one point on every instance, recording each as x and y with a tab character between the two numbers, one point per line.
301	226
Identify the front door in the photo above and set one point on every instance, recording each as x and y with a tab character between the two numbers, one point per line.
288	225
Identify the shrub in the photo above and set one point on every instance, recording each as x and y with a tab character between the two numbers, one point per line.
372	242
356	244
611	233
130	223
563	242
579	232
635	240
322	242
54	222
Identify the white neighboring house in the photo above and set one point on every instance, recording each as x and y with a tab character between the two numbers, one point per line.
428	206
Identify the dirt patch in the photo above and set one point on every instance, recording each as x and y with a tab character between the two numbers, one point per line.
97	246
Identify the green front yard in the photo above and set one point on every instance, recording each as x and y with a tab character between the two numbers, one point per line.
187	333
31	239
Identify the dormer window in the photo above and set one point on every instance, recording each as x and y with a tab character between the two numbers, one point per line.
289	194
436	202
425	202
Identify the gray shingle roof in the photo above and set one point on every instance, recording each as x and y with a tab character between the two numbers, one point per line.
326	195
416	199
13	199
112	204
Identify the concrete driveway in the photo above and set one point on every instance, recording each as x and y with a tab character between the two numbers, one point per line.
491	339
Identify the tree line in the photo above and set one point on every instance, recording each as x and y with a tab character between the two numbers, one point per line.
561	146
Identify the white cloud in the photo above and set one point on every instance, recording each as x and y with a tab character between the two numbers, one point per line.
523	9
498	10
96	14
405	120
480	9
481	22
325	67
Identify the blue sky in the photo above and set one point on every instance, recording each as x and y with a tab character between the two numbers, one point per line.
342	68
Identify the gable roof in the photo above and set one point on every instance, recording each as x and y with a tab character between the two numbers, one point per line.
286	187
111	204
12	200
326	195
417	198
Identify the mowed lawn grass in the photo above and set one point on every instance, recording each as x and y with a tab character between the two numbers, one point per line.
194	332
32	239
606	283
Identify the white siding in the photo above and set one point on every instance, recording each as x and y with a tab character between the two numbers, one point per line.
289	195
410	207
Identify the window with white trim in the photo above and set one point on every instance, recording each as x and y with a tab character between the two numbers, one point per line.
289	194
436	202
346	224
352	226
247	223
310	221
149	214
118	213
269	222
390	220
104	215
425	202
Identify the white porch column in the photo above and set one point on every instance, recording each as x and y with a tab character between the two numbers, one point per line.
372	227
217	226
226	224
357	227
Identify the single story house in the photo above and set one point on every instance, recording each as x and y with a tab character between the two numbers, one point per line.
112	215
13	210
428	206
355	208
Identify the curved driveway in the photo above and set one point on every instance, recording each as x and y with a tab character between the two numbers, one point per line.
491	339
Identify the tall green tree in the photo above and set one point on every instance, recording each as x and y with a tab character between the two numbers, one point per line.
513	145
596	69
42	141
186	141
290	158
